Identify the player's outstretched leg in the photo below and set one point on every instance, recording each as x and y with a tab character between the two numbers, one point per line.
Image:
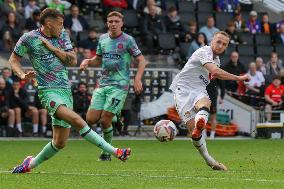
200	145
201	119
88	134
60	136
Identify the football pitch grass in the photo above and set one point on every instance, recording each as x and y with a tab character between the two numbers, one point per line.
177	164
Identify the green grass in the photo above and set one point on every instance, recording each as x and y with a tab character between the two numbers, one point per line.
251	163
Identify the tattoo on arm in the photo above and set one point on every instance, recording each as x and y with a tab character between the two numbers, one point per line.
69	58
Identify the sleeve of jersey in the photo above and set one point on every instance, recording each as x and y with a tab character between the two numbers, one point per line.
67	44
133	47
205	57
20	48
267	91
99	48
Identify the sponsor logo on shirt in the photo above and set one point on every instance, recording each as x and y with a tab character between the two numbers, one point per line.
47	57
120	46
112	56
205	81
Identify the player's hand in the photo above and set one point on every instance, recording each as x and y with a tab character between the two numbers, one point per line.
138	87
29	75
84	65
47	44
244	78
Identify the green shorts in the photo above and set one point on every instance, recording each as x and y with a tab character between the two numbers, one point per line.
52	98
109	98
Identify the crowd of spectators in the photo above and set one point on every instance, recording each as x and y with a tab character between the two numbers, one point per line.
154	18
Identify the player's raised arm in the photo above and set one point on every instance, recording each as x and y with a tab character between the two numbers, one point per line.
67	57
96	61
223	75
140	70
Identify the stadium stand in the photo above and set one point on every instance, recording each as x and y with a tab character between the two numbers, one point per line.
168	51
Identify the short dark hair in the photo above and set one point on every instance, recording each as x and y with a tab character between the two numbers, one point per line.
172	9
49	13
115	13
6	68
82	83
276	77
93	29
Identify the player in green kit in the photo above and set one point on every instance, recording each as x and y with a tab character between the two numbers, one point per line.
50	51
114	53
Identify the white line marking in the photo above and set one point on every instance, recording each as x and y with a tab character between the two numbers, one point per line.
154	176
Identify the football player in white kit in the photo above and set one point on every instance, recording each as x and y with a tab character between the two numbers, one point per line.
191	98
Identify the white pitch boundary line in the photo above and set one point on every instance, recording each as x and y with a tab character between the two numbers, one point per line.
154	176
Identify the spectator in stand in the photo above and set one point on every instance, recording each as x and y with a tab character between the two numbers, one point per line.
209	30
82	99
235	36
274	94
114	5
173	24
152	26
278	24
7	76
254	87
21	107
33	22
196	44
76	22
227	5
13	27
8	43
240	23
273	66
260	66
42	116
137	5
6	112
59	5
279	37
191	34
30	8
90	43
252	24
234	66
266	26
11	6
152	3
81	4
84	54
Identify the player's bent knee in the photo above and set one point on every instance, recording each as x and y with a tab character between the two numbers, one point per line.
106	122
59	144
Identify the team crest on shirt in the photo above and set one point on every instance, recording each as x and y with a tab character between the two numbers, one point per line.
120	46
187	114
52	104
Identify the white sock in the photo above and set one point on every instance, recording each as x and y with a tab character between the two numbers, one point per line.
212	134
19	127
43	129
11	126
200	145
202	113
35	128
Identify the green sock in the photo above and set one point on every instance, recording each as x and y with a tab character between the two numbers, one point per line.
107	134
92	137
47	152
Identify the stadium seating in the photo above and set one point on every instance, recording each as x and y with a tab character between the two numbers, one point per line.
166	42
185	6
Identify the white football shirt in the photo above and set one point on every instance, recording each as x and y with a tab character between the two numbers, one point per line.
194	76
